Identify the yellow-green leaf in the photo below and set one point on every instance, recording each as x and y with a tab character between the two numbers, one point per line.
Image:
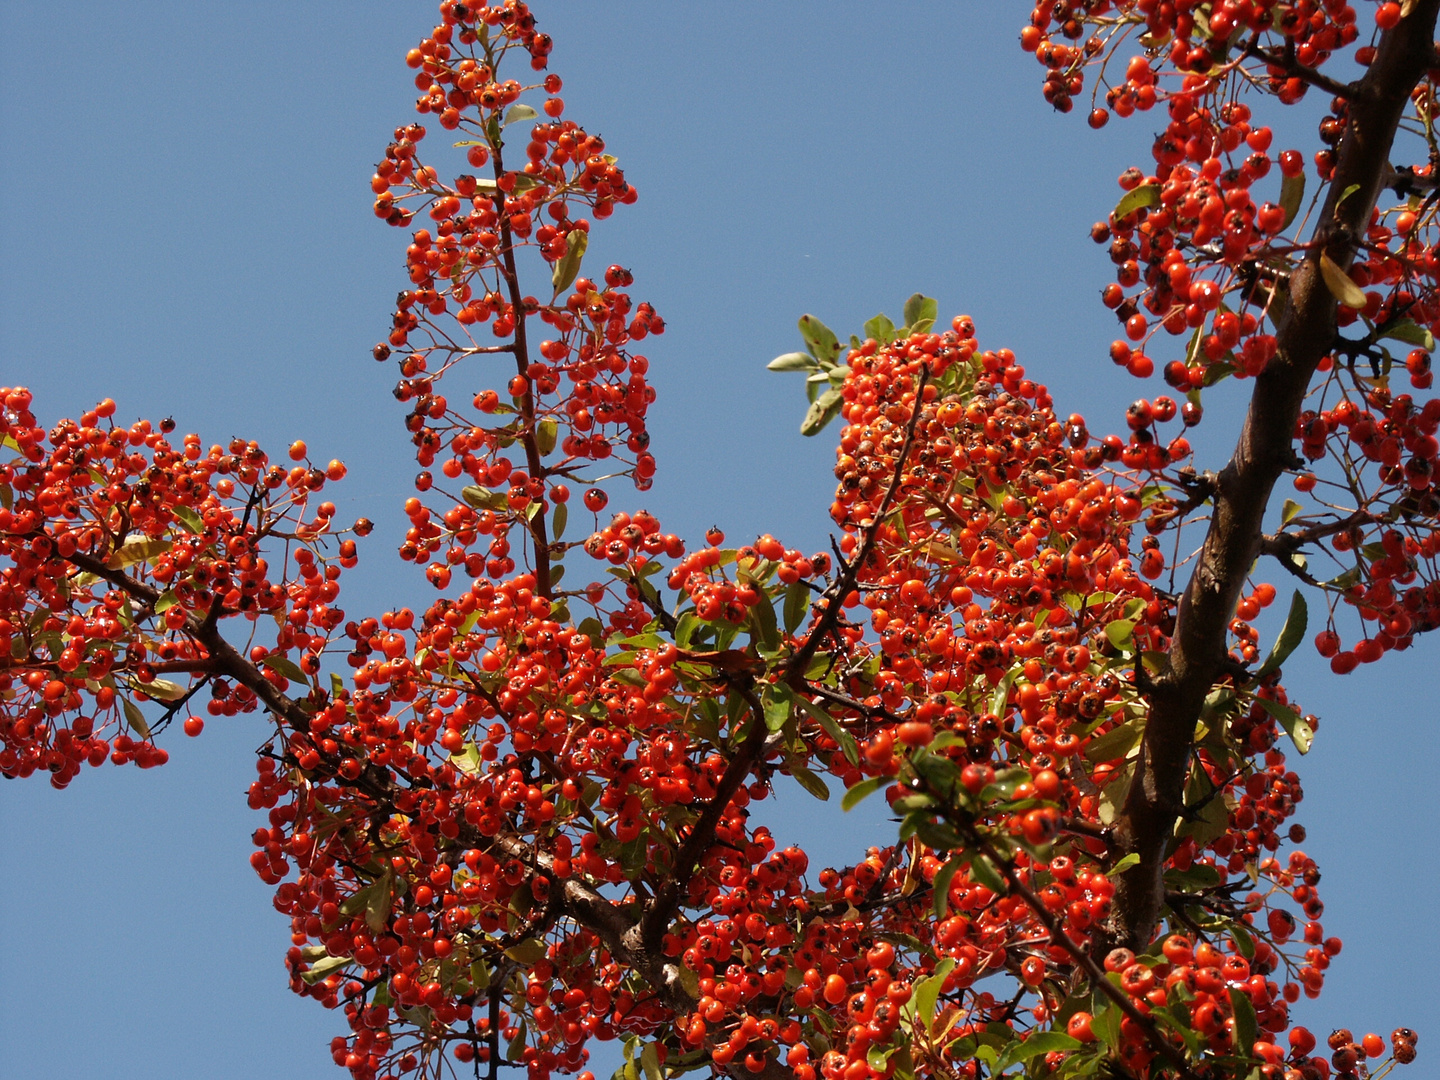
322	968
519	112
527	952
1340	285
136	550
1124	864
1137	198
136	719
1292	193
159	689
567	267
545	434
189	518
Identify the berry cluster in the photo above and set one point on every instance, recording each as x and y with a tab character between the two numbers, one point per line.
123	554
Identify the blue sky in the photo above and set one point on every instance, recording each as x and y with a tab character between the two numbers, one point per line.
188	230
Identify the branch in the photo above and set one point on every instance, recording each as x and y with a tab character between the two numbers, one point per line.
1306	334
1285	61
798	664
702	833
536	525
1098	979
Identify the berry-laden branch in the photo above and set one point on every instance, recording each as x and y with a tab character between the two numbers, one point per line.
515	831
1263	452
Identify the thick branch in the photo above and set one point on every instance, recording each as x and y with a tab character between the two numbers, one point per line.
536	525
702	832
1157	1040
223	659
1306	333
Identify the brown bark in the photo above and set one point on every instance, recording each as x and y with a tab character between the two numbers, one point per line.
1198	653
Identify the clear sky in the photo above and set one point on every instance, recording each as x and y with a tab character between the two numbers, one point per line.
188	230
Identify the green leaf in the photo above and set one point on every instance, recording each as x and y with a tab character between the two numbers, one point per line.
567	267
1289	511
1410	332
1136	199
321	968
941	886
1301	733
927	992
545	435
516	1046
137	550
843	738
819	339
793	361
136	719
920	309
359	900
518	112
1247	1028
1041	1042
1121	634
880	328
1124	864
777	710
1243	942
1112	795
561	516
189	518
983	872
1346	194
1291	634
167	600
1115	743
650	1061
1002	690
1106	1026
762	622
825	408
377	909
479	974
483	498
283	665
860	791
935	834
1214	821
1197	877
797	604
810	782
1292	194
